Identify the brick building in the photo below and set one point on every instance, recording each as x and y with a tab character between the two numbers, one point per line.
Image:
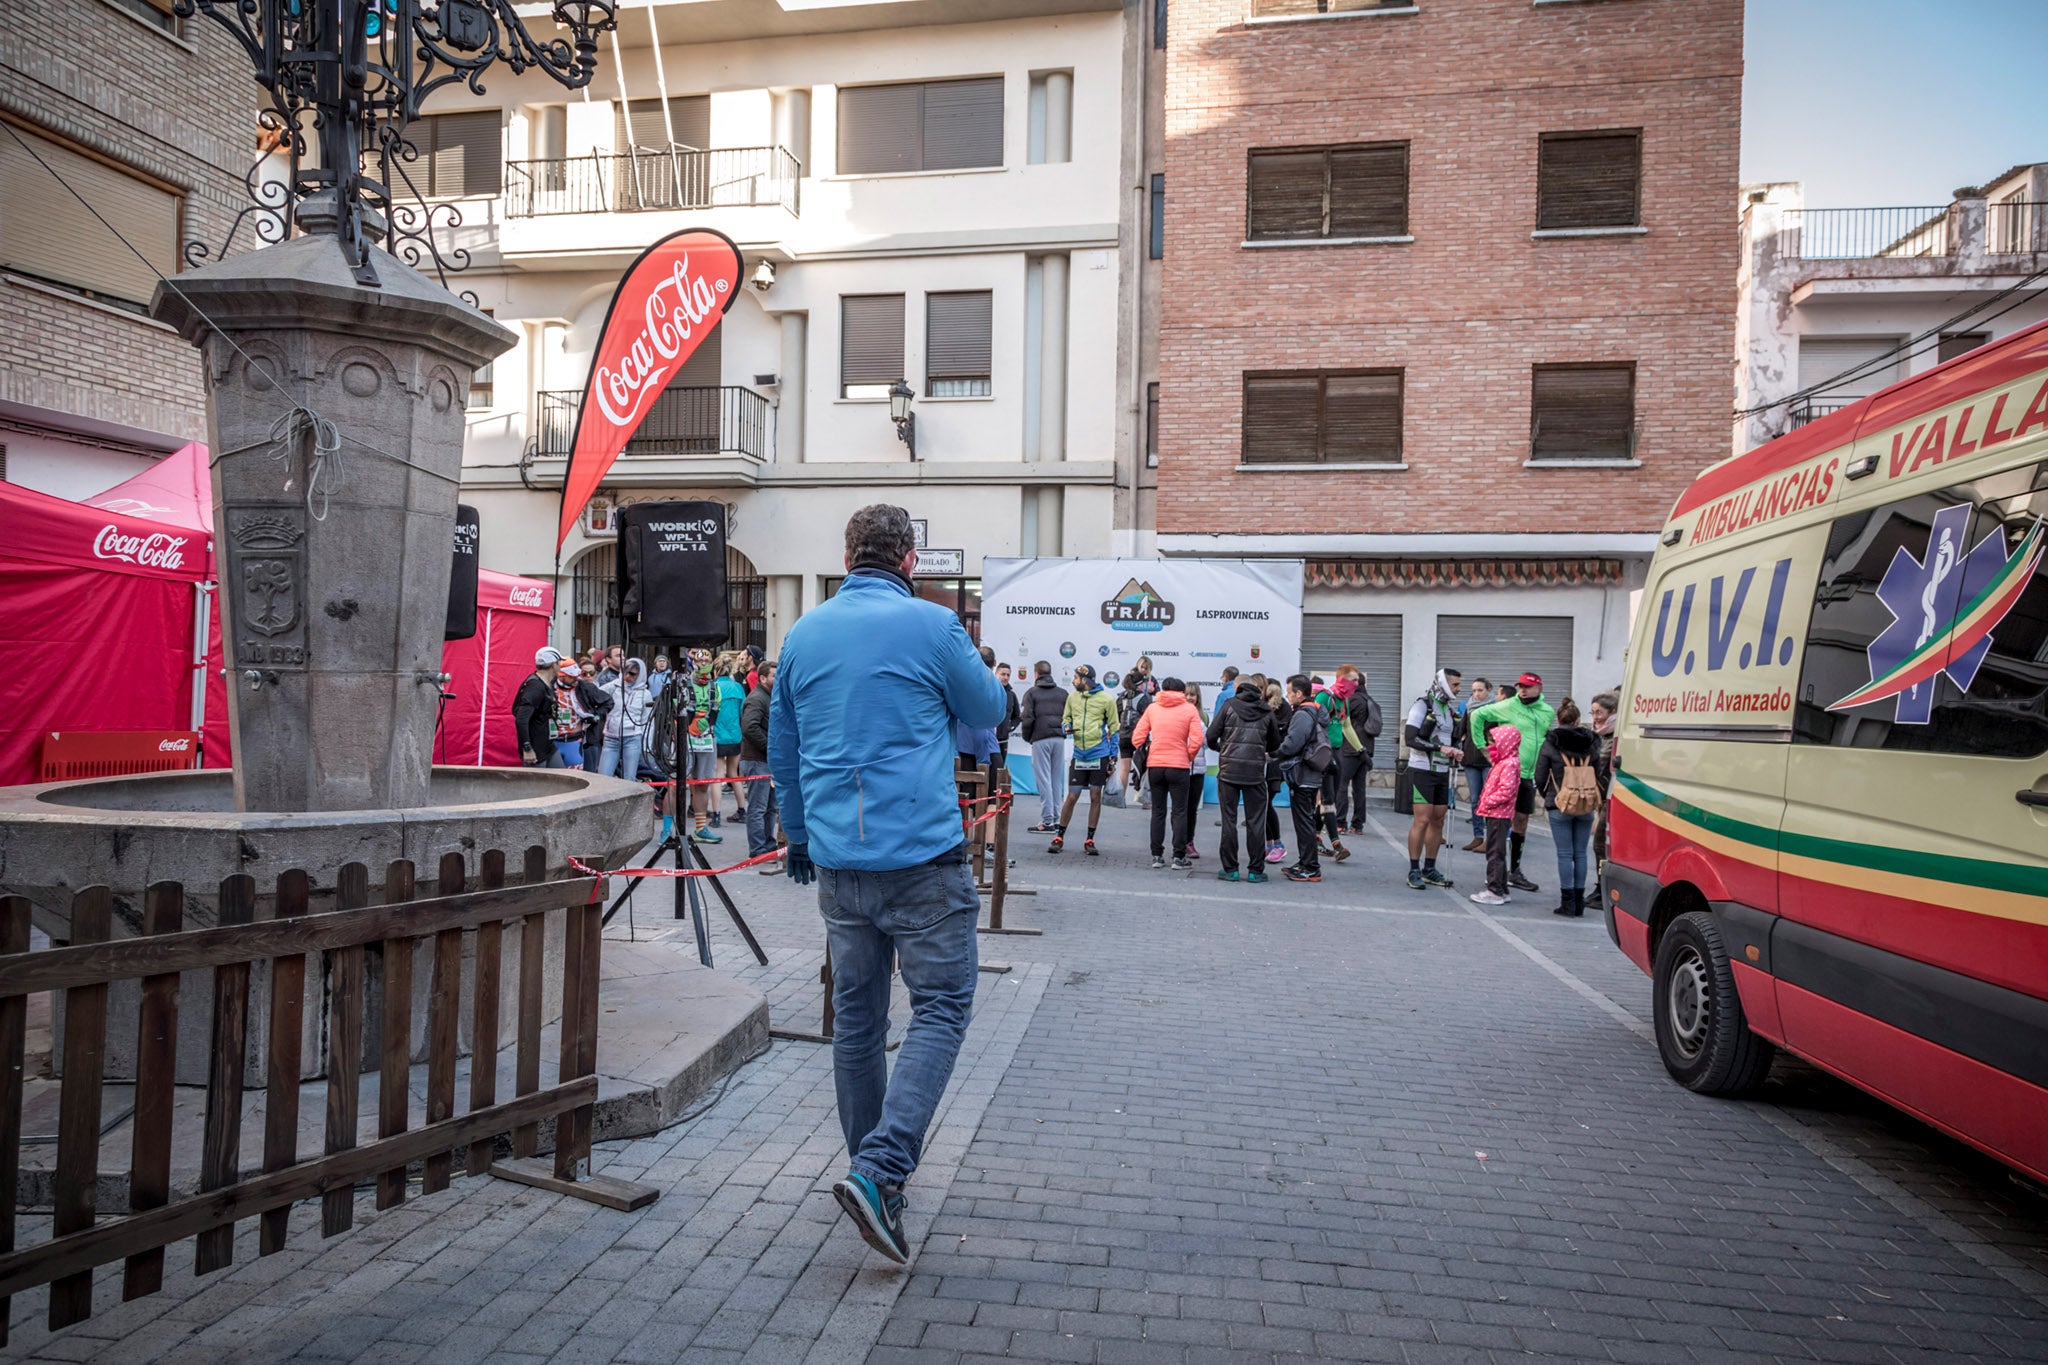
152	119
1445	312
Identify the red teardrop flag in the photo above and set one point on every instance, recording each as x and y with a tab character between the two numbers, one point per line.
668	302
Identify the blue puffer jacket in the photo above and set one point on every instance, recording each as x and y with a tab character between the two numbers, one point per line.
860	730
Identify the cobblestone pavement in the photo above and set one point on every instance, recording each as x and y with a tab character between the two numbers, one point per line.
1199	1121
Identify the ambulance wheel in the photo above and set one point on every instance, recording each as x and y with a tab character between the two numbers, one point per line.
1706	1043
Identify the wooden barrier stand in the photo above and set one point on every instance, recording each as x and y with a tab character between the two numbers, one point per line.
80	1241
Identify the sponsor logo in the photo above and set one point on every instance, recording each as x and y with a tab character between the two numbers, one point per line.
624	390
1255	651
1103	650
1206	615
173	746
157	551
1110	680
1137	607
1207	654
1066	649
1040	611
524	597
1944	607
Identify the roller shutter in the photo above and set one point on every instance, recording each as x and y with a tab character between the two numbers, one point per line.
464	154
1589	180
1502	648
963	124
1822	358
870	340
1584	412
957	343
1371	642
47	233
640	124
920	126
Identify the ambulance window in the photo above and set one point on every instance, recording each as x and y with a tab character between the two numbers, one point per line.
1929	611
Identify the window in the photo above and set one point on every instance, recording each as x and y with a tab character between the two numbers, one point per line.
480	392
155	13
1152	425
1159	24
460	154
920	126
956	344
1589	180
1310	417
639	124
870	344
1155	248
1953	344
1299	193
62	243
1288	9
1996	706
1582	412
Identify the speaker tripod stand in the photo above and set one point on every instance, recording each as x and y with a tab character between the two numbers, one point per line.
689	900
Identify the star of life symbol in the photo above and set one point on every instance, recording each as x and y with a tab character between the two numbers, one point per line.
1944	607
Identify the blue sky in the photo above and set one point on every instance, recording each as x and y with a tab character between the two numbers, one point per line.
1883	102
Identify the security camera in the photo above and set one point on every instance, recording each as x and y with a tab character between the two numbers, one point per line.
764	276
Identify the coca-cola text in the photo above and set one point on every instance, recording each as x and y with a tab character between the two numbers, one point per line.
158	551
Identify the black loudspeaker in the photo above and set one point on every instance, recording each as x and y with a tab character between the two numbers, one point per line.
671	573
461	623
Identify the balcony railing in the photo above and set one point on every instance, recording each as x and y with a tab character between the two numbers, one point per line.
1811	409
682	421
648	179
2015	227
1857	234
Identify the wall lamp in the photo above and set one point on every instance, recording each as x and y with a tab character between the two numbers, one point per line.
900	395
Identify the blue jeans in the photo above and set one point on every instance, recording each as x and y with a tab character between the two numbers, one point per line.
1049	775
608	764
760	808
1476	779
1571	834
926	915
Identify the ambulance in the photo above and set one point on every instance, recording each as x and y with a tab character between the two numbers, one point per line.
1828	830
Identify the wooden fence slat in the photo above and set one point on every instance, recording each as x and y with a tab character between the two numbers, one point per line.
220	1160
575	943
156	1068
394	1078
444	1011
344	1046
287	1019
592	917
483	1043
532	944
78	1107
87	965
14	918
337	1173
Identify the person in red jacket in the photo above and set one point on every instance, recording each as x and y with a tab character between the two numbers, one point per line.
1173	729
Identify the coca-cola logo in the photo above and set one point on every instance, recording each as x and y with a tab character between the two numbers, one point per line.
173	746
158	551
524	597
622	392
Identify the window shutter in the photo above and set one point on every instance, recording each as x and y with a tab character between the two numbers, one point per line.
957	328
1586	180
705	367
640	124
1280	418
881	129
963	124
59	241
1953	344
1371	643
1284	195
1503	648
1582	412
870	339
1369	190
462	151
1823	358
1362	418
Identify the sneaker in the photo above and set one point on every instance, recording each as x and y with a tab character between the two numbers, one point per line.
1255	876
1488	898
877	1213
1275	851
1158	863
1043	829
1088	847
1521	883
1182	865
1340	853
1478	844
1433	877
1354	829
1226	874
1302	874
770	869
715	820
706	836
1059	841
1415	878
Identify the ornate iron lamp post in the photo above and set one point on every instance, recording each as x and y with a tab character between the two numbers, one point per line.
345	79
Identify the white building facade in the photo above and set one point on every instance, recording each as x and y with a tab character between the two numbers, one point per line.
936	202
1837	303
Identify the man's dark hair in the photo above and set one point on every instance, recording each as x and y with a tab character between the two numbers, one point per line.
1042	669
878	536
1172	685
1299	683
1454	673
988	656
1230	673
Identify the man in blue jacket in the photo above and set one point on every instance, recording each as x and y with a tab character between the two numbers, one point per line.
860	742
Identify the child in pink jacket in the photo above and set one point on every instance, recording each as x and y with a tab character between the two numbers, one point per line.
1496	805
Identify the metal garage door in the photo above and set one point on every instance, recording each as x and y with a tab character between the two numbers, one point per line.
1502	648
1371	642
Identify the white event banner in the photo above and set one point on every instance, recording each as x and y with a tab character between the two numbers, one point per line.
1193	617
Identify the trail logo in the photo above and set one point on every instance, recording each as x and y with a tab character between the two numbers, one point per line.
1137	607
1944	608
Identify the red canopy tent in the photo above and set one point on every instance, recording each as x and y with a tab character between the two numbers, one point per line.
513	615
99	613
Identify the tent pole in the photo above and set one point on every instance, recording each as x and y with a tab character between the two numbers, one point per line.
202	594
483	691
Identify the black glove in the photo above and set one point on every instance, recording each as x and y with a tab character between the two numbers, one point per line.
798	864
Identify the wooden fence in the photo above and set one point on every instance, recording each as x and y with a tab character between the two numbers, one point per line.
80	1241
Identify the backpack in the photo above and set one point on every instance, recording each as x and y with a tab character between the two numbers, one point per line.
1579	791
1317	757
